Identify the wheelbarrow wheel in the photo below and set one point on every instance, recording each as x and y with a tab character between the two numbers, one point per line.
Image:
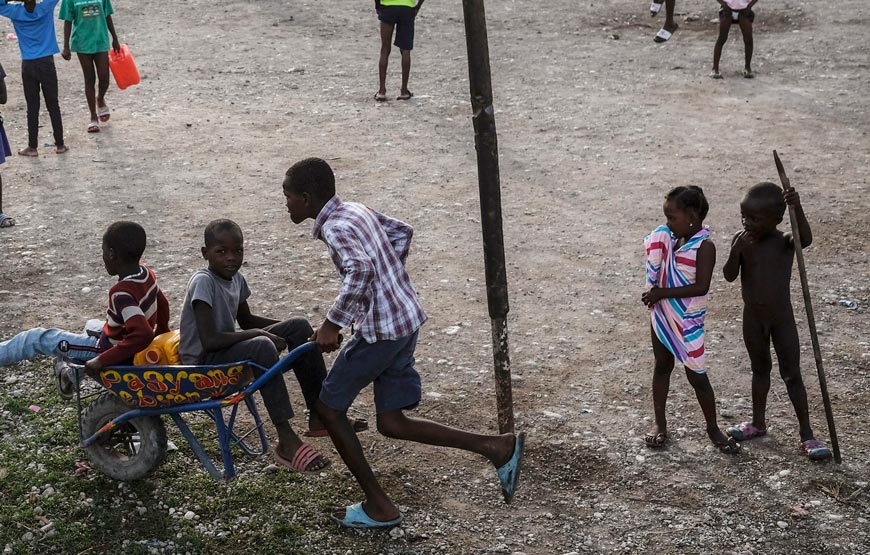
131	451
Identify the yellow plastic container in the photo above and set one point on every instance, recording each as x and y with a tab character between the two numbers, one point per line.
163	351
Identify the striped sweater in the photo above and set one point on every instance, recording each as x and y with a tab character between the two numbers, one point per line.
137	311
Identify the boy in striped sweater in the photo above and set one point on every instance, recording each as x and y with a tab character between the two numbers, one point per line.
136	312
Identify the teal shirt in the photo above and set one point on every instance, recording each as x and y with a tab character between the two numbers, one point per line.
90	33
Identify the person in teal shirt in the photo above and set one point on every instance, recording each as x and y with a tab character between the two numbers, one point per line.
86	29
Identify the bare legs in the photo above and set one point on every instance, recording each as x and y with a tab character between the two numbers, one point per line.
386	45
745	24
497	449
664	365
95	67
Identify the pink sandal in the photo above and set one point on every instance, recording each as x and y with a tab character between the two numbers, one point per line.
745	431
303	457
815	450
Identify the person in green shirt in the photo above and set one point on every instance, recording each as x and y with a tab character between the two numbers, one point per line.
86	29
398	15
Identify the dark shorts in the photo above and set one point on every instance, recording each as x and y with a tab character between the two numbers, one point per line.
403	18
389	365
748	14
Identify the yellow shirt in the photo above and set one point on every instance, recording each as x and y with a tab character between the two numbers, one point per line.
406	3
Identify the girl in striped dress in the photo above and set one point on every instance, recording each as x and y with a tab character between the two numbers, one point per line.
679	266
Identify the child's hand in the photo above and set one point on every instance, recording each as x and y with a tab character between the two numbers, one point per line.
652	296
791	197
742	239
66	54
93	367
116	46
280	343
327	337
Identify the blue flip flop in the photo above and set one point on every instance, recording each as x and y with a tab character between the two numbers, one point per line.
509	473
355	517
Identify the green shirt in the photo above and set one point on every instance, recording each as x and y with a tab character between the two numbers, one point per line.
90	33
407	3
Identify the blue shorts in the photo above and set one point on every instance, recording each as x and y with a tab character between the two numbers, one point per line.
389	365
403	18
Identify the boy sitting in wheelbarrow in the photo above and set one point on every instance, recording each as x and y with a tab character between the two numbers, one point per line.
137	310
217	299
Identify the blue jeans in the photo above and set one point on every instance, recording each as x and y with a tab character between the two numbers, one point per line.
42	341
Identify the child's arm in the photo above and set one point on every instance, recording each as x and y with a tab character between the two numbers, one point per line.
213	340
162	325
3	95
793	199
353	298
399	234
749	7
67	31
704	273
137	334
740	241
418	6
116	45
248	321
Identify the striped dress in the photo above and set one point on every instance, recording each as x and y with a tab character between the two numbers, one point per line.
678	323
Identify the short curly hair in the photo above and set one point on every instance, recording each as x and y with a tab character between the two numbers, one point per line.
768	197
312	176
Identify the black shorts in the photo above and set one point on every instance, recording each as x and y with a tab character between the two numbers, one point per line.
403	18
748	14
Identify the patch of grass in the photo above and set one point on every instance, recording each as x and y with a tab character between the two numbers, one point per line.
267	512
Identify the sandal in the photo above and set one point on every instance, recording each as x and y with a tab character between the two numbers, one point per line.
6	221
304	457
730	447
93	127
655	8
664	35
745	431
104	114
380	97
748	74
405	96
815	450
656	440
65	386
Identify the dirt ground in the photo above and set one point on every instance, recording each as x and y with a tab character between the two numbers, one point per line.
595	123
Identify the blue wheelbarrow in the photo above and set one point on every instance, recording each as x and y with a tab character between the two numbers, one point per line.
122	430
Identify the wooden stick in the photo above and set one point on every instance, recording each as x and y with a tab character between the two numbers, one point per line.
808	304
489	184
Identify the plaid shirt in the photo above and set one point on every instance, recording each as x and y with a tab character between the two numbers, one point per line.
369	252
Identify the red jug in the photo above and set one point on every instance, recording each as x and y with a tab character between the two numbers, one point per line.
123	67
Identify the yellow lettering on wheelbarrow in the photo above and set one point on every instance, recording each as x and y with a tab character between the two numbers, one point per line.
175	380
154	381
134	382
110	377
235	373
146	401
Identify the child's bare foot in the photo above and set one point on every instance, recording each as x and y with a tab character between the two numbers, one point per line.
656	438
504	450
727	445
29	151
61	149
